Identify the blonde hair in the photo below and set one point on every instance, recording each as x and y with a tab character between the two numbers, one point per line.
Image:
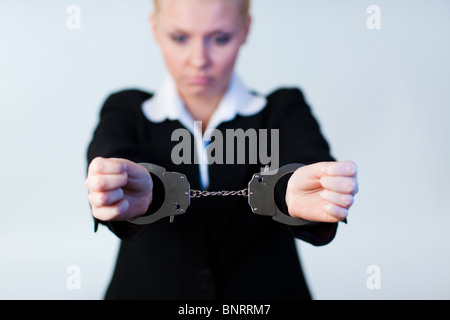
245	6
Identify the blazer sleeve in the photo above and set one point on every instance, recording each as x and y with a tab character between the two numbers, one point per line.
301	141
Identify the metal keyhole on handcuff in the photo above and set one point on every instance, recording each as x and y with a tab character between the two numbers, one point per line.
260	193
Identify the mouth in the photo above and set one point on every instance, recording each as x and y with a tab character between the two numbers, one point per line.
200	80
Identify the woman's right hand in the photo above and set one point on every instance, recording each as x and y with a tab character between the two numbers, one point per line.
119	189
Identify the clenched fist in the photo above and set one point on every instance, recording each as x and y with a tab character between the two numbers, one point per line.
323	191
119	189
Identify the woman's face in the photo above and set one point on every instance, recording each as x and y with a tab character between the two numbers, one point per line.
200	41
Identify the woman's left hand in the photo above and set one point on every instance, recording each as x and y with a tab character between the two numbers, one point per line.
322	192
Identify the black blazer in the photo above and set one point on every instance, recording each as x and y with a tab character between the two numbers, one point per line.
219	249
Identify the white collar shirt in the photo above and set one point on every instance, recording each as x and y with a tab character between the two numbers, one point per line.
166	104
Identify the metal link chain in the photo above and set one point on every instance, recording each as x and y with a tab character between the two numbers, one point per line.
205	193
259	193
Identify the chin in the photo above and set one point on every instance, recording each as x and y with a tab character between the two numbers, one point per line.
200	90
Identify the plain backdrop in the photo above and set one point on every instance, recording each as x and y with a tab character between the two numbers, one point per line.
381	97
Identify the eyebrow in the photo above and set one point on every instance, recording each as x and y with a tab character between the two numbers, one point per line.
173	29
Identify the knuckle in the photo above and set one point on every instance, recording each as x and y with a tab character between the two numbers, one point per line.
325	194
341	214
97	164
348	200
95	199
327	217
98	214
115	213
352	167
106	214
90	199
102	199
350	186
99	183
334	213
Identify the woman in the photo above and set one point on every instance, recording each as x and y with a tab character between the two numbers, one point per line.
219	249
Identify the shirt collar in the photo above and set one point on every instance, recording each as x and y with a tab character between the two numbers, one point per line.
166	104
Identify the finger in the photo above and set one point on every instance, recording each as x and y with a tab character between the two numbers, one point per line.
107	166
307	177
341	168
107	198
347	185
106	182
336	211
315	170
339	199
115	212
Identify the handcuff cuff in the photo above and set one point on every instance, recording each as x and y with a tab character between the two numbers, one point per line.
260	194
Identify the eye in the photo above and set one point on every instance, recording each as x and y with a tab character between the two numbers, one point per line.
179	38
221	39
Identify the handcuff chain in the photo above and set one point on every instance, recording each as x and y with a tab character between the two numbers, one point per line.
260	195
205	193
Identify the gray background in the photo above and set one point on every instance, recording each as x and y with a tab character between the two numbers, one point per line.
381	97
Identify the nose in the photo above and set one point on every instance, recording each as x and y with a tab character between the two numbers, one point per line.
199	57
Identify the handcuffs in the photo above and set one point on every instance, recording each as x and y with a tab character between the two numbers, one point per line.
260	195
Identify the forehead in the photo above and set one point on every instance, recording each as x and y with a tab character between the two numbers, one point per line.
199	15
